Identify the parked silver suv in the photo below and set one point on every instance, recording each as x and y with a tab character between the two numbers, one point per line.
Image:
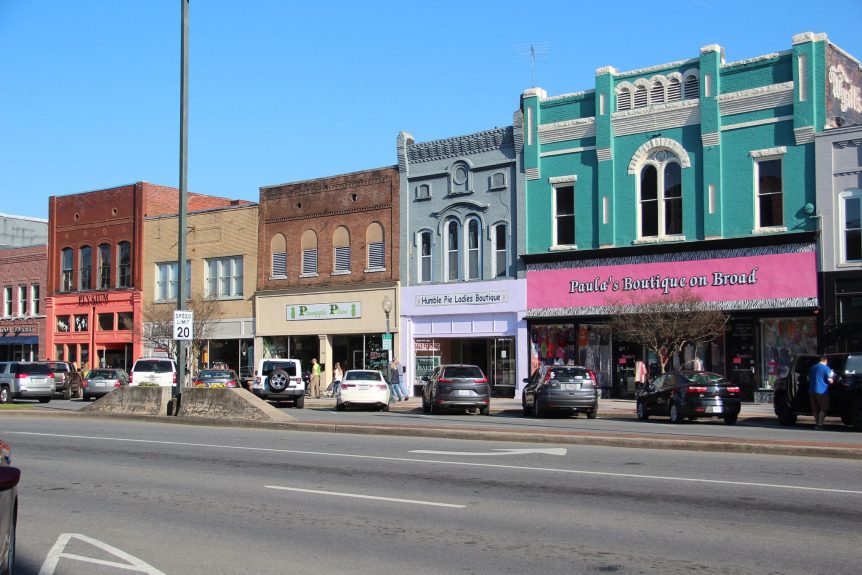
24	380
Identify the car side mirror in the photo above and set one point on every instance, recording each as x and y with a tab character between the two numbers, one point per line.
526	380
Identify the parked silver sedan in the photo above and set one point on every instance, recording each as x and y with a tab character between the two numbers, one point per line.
103	381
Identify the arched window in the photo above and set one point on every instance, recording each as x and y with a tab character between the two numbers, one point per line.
640	97
660	196
424	263
474	249
624	100
501	251
656	95
66	269
278	251
104	266
674	93
376	247
85	267
691	88
124	265
309	253
459	178
341	251
452	250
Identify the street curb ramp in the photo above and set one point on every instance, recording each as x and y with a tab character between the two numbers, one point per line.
228	403
132	400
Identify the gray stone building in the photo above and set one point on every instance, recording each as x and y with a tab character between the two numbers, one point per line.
463	292
22	231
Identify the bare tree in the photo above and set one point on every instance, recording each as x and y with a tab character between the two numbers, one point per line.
665	323
157	329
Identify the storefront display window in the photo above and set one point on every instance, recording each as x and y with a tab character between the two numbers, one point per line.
783	340
552	344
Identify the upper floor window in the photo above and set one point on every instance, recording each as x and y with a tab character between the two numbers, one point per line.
124	265
640	96
22	300
309	254
376	246
851	226
167	281
498	180
691	89
35	301
769	204
66	269
104	266
660	196
85	267
674	90
424	263
7	301
224	277
341	251
501	251
474	249
459	178
624	99
657	94
564	216
452	250
278	249
423	191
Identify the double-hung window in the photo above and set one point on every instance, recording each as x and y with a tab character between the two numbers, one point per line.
167	281
452	251
851	226
124	265
7	301
501	251
85	267
104	266
768	189
424	256
474	249
660	196
224	278
35	301
564	216
66	269
22	300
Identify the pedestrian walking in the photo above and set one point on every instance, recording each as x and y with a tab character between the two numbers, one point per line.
397	392
337	374
315	378
819	380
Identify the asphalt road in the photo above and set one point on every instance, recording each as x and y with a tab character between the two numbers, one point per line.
176	499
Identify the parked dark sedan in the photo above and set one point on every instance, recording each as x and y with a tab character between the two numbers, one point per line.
689	394
458	386
9	478
216	378
561	388
103	381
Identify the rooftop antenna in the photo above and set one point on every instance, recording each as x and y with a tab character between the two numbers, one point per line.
533	51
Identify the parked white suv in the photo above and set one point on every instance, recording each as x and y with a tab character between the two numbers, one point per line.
279	379
158	370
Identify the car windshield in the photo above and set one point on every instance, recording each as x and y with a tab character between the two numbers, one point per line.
363	375
35	368
568	374
156	366
58	366
705	378
853	365
104	374
270	366
215	374
463	372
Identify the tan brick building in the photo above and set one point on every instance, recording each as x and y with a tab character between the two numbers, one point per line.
328	251
222	263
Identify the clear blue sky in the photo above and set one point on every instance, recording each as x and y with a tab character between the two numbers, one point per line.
282	91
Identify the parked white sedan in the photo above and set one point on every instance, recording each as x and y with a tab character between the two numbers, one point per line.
364	387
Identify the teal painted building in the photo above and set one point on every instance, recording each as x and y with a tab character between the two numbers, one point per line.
690	174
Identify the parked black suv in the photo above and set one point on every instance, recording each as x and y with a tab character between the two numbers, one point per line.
790	398
67	380
456	386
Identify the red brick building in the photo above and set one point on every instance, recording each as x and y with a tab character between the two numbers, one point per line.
23	273
95	275
327	260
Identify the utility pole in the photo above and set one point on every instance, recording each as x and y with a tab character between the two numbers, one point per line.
184	174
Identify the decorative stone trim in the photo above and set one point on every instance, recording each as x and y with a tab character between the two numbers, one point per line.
809	37
752	123
658	240
712	48
569	248
641	154
603	154
567	151
763	58
755	99
563	179
778	151
487	141
531	173
568	130
804	135
767	231
677	64
535	93
566	96
656	117
606	70
712	139
847	143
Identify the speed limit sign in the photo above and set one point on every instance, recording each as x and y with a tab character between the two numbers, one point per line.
183	325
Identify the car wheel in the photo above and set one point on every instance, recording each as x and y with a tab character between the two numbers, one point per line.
591	414
731	418
5	396
85	398
299	402
485	410
675	415
44	399
643	413
67	393
538	408
425	407
524	408
435	409
339	406
278	380
783	411
385	407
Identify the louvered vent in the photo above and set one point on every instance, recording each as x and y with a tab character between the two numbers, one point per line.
279	265
309	262
376	258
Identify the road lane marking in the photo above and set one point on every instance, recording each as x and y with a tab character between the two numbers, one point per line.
546	451
453	463
57	552
373	497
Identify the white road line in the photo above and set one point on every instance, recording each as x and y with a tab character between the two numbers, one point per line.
454	463
374	497
56	553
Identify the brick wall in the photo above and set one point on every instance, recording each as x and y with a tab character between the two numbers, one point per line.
24	266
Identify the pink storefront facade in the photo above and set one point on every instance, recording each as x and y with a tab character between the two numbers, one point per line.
769	291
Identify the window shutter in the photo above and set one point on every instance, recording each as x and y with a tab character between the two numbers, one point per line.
691	88
657	93
279	265
376	256
624	100
309	262
640	97
342	259
674	93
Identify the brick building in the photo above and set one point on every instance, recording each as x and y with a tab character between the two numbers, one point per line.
328	259
23	272
95	270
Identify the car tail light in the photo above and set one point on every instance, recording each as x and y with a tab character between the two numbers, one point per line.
732	389
697	389
382	386
51	375
131	377
21	375
117	383
232	383
85	383
197	382
483	380
175	378
445	380
347	386
592	375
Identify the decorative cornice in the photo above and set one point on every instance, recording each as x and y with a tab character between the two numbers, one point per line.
327	213
804	135
606	70
712	139
460	206
809	37
563	179
603	154
656	117
754	60
754	99
487	141
567	130
567	96
534	93
676	64
567	151
777	151
856	142
752	123
645	149
712	48
531	173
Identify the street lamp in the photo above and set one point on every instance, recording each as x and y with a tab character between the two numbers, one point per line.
386	304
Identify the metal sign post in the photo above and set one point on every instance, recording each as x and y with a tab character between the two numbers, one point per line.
184	169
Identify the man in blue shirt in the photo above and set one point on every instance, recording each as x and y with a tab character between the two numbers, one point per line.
819	380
